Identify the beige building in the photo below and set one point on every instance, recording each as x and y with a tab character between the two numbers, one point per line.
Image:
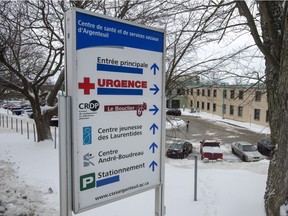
240	103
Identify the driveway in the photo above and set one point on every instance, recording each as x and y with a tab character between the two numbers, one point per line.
200	129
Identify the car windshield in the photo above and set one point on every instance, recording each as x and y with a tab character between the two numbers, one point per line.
267	143
249	148
176	146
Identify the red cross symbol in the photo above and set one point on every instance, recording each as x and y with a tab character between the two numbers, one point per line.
86	85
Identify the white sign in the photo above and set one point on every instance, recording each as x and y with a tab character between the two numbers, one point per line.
115	79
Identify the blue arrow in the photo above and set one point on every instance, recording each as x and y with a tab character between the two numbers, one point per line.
154	67
153	164
153	146
155	110
156	89
154	127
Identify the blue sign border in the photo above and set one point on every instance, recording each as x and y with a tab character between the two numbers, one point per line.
94	31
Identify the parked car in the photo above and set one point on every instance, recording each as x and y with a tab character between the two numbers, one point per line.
210	150
179	149
246	151
174	112
265	147
54	121
16	110
27	112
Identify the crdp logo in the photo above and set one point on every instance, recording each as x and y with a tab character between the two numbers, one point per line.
92	105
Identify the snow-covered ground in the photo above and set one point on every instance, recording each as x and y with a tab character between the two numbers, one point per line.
211	117
30	173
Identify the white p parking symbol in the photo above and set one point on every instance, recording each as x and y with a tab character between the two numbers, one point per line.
87	181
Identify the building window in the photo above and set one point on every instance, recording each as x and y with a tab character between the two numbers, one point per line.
209	93
257	96
178	91
208	106
191	91
203	106
191	103
257	114
224	108
198	92
175	103
224	93
267	116
215	93
240	111
203	92
241	94
198	104
214	107
231	110
232	94
167	103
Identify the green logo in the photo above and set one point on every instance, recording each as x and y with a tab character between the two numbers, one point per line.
87	181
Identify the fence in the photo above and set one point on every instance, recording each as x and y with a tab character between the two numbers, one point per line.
25	126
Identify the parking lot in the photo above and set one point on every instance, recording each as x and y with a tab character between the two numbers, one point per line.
200	129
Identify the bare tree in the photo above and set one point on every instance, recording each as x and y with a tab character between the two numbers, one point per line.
266	21
193	49
29	57
273	44
32	44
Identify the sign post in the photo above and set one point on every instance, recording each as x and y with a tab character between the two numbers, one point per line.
115	78
64	109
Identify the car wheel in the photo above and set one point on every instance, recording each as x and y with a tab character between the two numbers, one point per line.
233	151
244	158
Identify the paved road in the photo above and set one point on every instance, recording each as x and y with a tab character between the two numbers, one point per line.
200	129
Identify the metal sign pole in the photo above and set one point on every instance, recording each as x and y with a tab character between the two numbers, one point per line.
159	191
195	179
159	201
65	174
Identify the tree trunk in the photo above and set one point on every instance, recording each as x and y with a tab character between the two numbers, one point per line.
277	183
43	130
42	122
277	92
